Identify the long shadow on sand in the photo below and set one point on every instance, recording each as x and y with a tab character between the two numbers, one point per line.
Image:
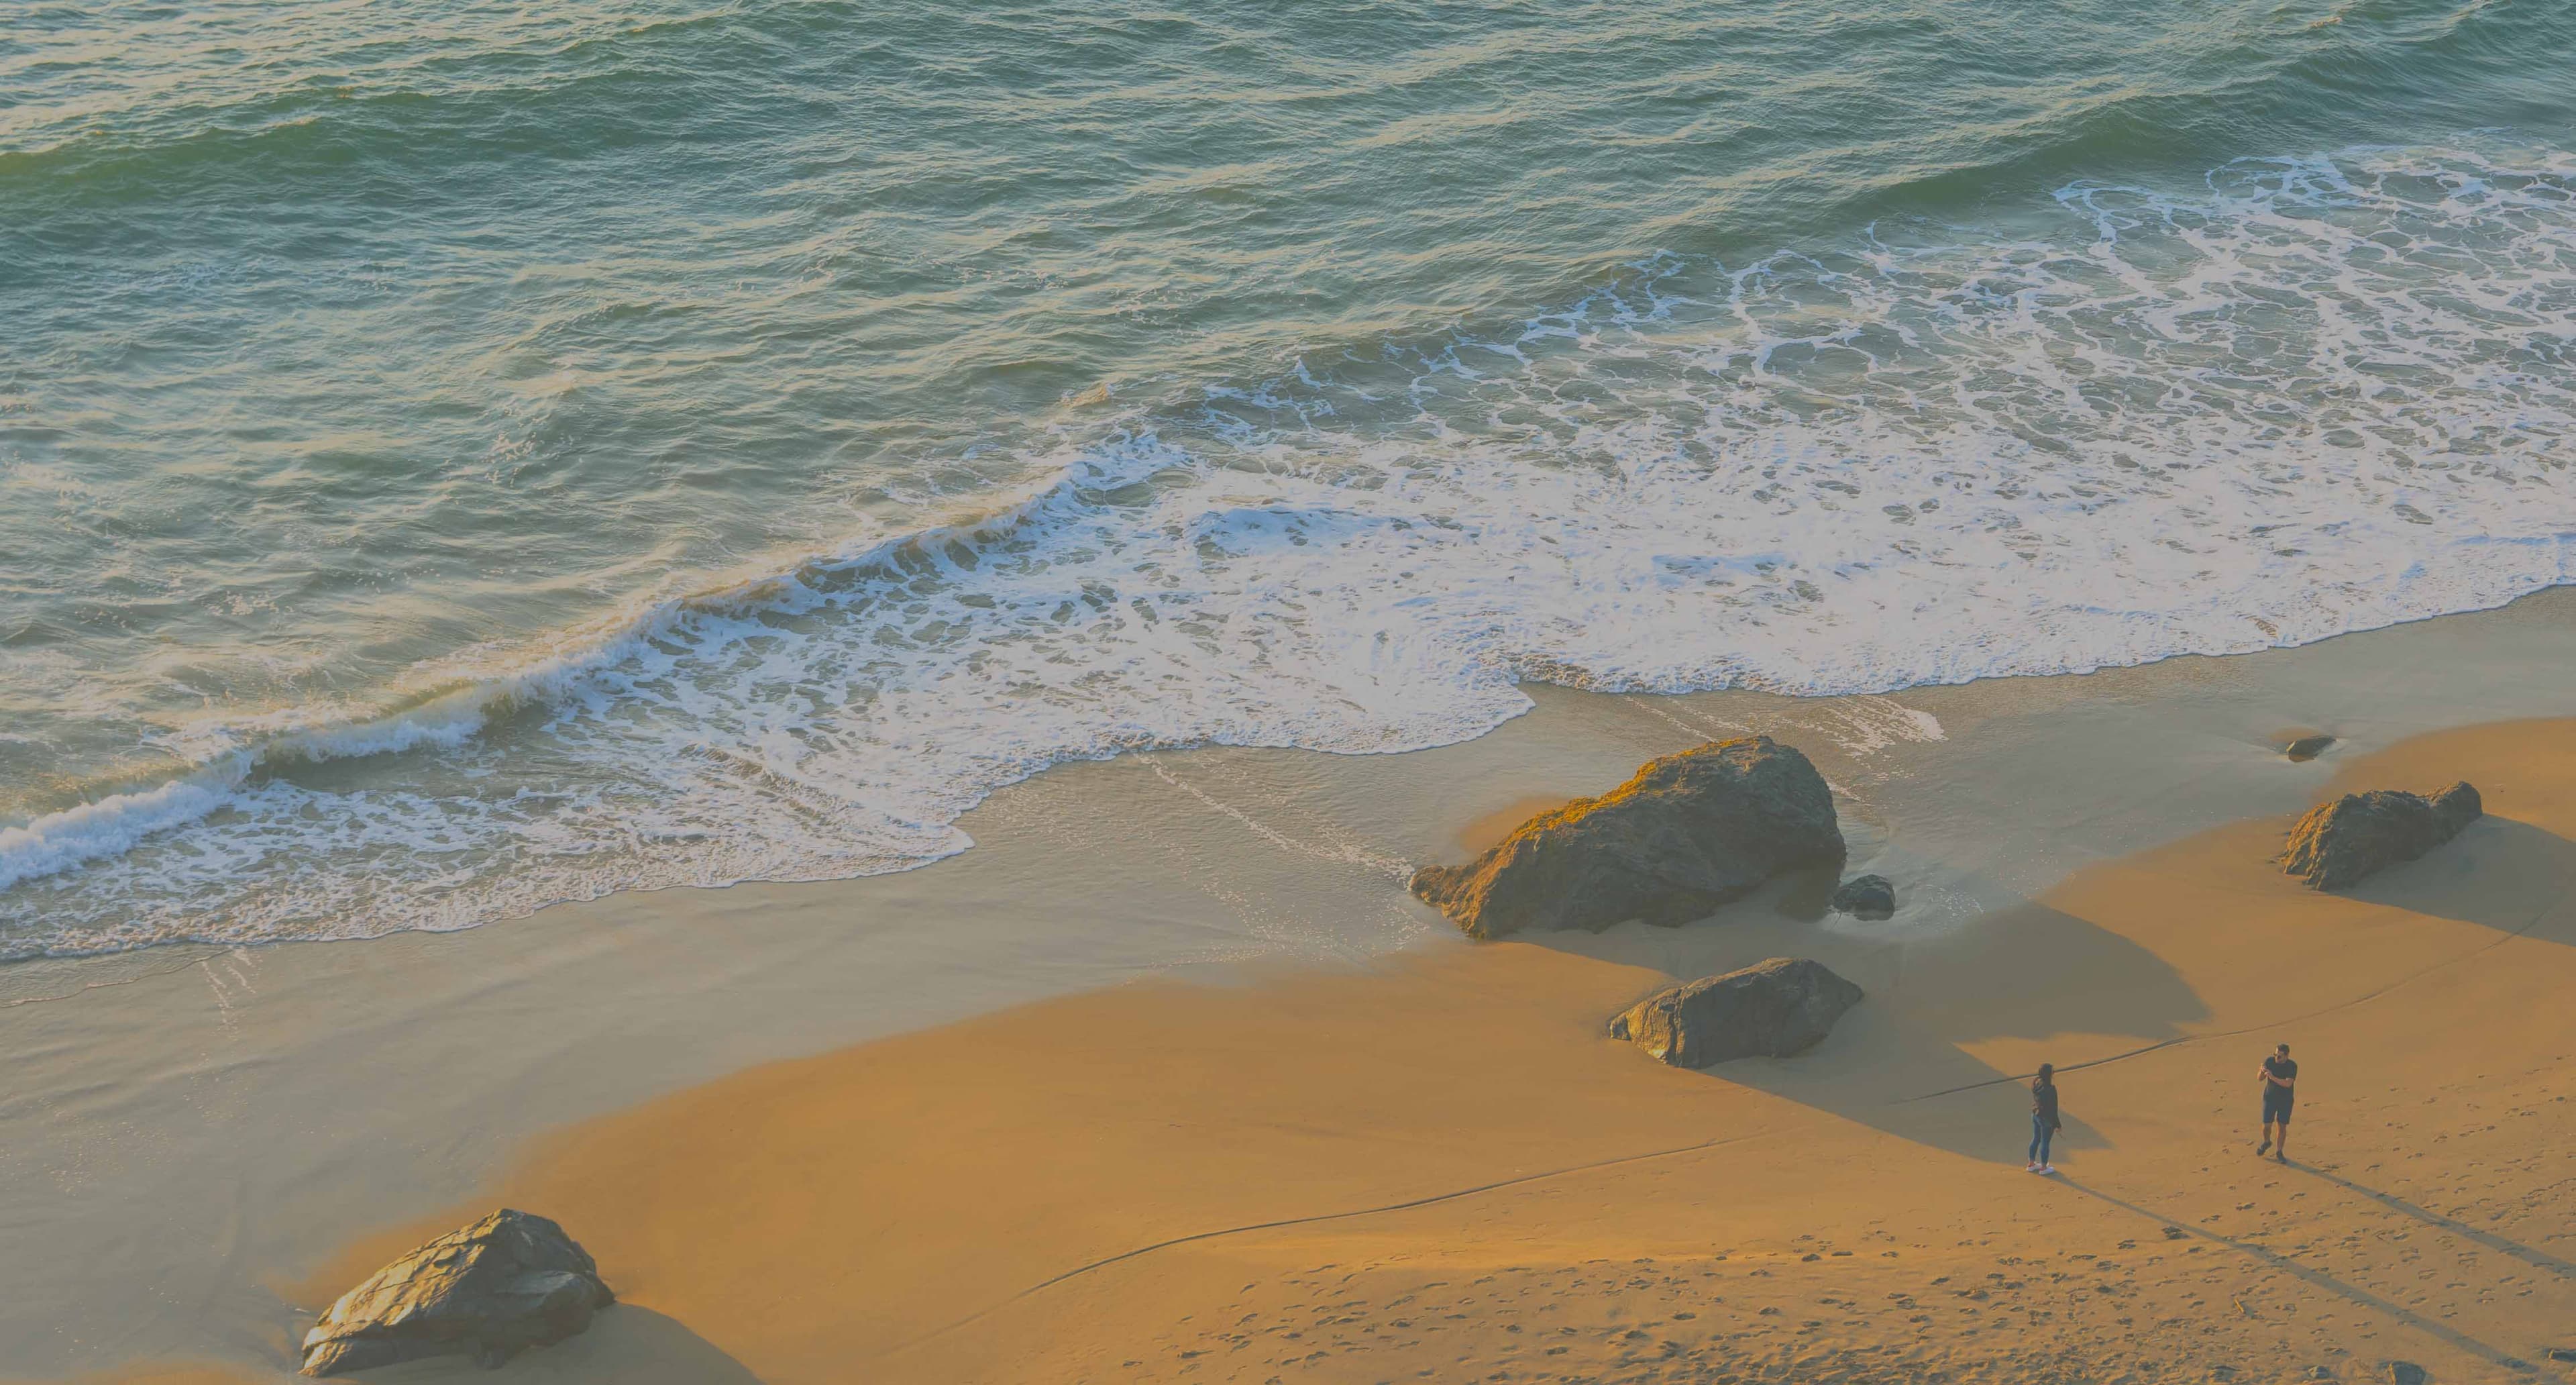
1931	1001
2536	1258
1905	1060
626	1344
2498	873
2359	1297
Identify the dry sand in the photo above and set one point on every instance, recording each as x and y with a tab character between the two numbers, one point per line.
1437	1169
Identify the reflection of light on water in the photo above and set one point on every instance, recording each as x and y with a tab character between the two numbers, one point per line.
2158	424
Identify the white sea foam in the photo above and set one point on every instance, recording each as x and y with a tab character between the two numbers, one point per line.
2325	395
112	825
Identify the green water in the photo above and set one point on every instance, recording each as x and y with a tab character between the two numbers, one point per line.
455	457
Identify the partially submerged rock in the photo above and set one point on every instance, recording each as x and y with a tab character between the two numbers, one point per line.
1688	833
2361	833
1867	897
2306	748
1769	1010
488	1291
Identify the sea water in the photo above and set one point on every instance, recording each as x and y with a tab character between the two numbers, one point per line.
460	457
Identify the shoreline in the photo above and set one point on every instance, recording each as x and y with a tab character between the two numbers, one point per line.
272	1082
1345	1145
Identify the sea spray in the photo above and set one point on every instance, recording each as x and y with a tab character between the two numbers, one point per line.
452	487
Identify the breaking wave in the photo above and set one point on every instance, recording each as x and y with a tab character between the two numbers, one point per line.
2320	395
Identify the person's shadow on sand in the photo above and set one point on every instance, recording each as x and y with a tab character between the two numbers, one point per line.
2320	1279
1901	1061
2027	972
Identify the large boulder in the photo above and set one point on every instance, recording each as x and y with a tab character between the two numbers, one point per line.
1769	1010
488	1291
1688	833
2340	842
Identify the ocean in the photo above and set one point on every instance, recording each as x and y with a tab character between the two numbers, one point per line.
458	457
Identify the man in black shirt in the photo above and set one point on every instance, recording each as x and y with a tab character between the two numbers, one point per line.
2280	1087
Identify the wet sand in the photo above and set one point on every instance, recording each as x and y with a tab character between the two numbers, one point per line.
1439	1165
1471	1179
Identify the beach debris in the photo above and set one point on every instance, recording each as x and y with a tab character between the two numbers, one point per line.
1771	1009
1687	833
1866	896
2360	834
489	1291
2407	1373
2306	748
2562	1353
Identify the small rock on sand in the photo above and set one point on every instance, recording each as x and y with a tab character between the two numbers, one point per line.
1687	833
1867	897
2407	1373
2360	834
2307	748
1769	1010
488	1291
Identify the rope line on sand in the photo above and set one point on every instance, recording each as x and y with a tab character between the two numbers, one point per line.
2179	1040
1451	1196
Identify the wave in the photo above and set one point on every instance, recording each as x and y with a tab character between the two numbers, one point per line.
457	698
2321	395
114	824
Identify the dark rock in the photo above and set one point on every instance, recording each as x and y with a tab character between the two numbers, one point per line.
2175	1233
488	1291
2307	748
1769	1010
2407	1373
2361	833
1866	896
1688	833
2562	1353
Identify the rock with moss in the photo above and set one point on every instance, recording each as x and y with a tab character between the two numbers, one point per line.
1688	833
1773	1009
2360	834
486	1291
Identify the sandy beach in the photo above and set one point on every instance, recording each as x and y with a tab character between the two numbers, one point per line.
1440	1170
1384	1153
1405	1157
772	693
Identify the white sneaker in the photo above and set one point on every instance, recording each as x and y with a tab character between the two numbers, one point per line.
2046	1168
2030	1168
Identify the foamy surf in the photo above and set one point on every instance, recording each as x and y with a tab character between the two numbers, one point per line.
2323	395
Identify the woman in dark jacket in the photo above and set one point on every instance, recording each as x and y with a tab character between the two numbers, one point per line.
2043	1117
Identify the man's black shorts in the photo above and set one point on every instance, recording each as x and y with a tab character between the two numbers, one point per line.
2276	1107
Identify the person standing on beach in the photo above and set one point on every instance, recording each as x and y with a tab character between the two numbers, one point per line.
2280	1087
2043	1117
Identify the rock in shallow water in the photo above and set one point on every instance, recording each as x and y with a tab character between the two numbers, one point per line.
488	1291
2361	833
1866	896
1688	833
2307	748
1769	1010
